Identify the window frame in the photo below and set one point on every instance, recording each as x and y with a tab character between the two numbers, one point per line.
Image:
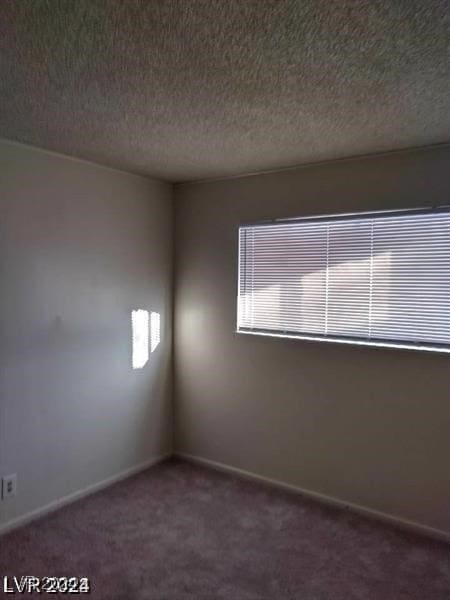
421	346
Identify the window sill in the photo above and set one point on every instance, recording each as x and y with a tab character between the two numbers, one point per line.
348	342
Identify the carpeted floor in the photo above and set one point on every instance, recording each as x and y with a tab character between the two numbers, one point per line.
179	531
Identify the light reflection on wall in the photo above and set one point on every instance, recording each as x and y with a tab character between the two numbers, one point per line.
155	330
139	332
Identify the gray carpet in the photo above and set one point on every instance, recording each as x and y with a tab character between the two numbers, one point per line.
180	531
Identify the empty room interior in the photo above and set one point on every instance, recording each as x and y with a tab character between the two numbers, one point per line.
225	299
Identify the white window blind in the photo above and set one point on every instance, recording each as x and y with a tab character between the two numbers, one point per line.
379	278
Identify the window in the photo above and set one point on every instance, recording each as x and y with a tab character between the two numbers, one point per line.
373	278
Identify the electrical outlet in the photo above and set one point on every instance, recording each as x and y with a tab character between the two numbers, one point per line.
9	486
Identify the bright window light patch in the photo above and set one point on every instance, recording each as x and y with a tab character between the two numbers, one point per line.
155	330
139	327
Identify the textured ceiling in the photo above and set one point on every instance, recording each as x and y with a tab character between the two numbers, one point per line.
191	89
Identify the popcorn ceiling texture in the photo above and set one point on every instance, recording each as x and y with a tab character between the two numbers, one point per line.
189	89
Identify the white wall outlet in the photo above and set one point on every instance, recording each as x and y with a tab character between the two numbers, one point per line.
9	486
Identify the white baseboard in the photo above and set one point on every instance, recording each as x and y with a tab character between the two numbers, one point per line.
323	498
91	489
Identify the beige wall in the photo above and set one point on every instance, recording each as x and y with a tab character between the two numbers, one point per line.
365	425
80	247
